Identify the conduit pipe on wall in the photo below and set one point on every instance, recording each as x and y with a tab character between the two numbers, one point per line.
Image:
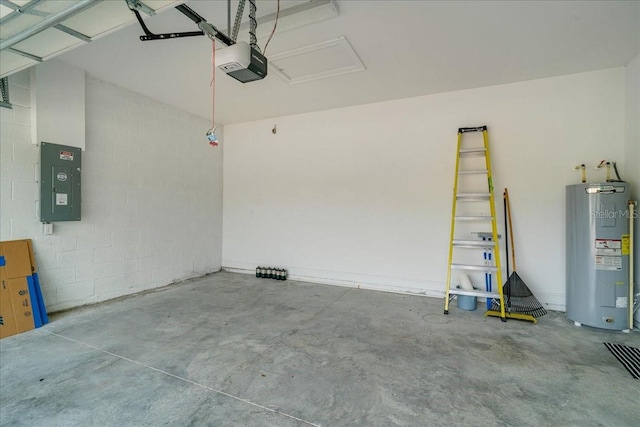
632	205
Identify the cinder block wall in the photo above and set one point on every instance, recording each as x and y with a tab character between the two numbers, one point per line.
18	159
151	189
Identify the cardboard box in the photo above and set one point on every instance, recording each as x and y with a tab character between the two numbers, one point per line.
15	294
18	306
37	301
21	302
17	259
32	258
7	321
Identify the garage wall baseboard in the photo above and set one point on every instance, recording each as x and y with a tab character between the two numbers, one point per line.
353	280
376	283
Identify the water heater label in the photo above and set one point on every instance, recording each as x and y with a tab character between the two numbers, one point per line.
621	302
608	244
608	263
626	244
609	252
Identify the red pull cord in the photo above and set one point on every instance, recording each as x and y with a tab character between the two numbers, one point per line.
211	135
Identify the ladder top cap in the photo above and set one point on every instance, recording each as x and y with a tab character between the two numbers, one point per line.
475	129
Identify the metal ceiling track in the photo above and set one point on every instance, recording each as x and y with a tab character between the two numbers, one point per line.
26	9
53	20
46	23
25	54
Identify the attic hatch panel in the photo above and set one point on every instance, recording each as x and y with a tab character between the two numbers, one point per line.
318	61
313	62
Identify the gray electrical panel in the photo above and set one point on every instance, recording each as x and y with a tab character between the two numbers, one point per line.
598	255
60	171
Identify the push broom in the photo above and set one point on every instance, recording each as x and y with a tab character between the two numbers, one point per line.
520	301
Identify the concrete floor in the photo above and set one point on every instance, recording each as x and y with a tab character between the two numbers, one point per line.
234	350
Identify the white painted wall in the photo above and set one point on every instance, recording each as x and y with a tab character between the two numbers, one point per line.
361	196
632	150
58	92
152	197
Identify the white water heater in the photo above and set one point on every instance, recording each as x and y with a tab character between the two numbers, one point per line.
598	255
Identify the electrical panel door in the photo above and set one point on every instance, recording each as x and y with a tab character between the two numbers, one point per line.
60	171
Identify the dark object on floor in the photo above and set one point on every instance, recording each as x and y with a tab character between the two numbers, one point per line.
272	273
628	356
519	298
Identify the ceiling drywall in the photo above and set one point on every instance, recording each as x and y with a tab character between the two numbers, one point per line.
408	48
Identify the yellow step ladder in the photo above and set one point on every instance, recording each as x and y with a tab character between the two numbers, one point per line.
474	214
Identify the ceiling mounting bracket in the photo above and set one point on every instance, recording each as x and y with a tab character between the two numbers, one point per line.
205	27
138	5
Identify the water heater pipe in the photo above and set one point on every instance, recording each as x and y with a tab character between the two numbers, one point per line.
602	164
632	205
584	171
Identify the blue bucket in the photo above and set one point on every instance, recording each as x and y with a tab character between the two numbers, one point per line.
466	302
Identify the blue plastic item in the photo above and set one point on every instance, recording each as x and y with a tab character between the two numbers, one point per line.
467	302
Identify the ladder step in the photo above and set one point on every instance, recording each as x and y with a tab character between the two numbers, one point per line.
486	235
473	196
471	152
473	243
471	172
482	294
474	267
474	218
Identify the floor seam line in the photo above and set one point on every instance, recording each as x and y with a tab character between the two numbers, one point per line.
326	307
206	387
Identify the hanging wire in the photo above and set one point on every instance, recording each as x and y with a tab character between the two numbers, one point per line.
275	25
236	24
213	64
253	24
